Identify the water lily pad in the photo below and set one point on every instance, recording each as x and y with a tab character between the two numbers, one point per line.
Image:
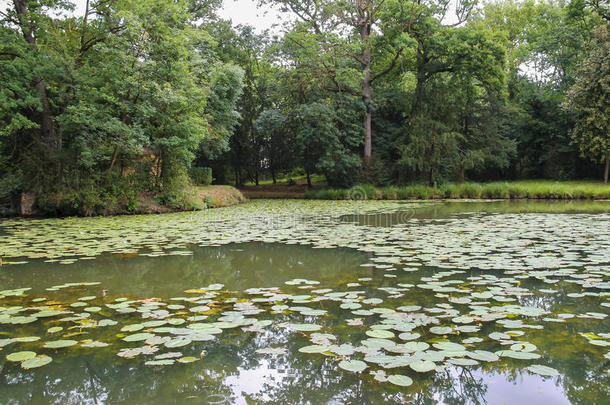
523	347
178	342
159	362
483	355
138	337
94	344
449	346
59	344
20	356
26	339
106	322
132	328
400	380
355	366
314	349
422	366
48	313
187	359
170	355
542	370
372	301
518	355
22	320
416	346
379	333
409	335
441	330
36	362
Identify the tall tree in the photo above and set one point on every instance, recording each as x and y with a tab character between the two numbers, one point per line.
589	100
354	43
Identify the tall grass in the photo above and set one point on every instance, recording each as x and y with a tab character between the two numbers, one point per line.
496	190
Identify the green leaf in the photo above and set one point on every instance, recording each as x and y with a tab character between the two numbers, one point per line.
355	366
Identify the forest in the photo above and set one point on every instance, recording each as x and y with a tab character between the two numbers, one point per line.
153	96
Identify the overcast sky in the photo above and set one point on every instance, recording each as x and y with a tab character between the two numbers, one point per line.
245	12
238	11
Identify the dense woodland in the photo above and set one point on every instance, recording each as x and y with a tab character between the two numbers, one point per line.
138	96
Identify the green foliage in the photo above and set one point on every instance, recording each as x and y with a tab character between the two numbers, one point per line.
318	143
123	97
226	88
133	99
504	190
273	129
201	176
589	100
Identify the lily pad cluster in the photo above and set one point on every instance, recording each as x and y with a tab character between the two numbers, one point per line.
441	294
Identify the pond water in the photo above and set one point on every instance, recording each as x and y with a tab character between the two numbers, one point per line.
310	302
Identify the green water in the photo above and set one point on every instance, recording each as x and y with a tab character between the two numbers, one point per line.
538	271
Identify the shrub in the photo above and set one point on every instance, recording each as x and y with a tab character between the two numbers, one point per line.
517	191
201	176
389	193
363	191
10	188
496	190
470	190
450	191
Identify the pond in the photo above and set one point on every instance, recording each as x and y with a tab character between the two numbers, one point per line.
310	302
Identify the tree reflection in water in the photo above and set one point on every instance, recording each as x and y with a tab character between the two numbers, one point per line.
232	372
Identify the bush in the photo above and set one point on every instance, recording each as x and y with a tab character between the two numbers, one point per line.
363	192
470	190
416	192
10	188
527	189
389	193
201	176
517	191
496	190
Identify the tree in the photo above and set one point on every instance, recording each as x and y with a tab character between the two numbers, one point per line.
91	95
354	43
245	48
457	101
278	141
544	40
318	144
589	100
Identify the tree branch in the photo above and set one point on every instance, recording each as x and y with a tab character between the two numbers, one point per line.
389	68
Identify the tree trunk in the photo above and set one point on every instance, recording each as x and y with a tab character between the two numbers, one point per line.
419	93
368	137
607	169
308	179
115	154
273	176
462	175
364	27
48	132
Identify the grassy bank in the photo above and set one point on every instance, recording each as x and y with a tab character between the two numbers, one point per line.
504	190
220	196
196	198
